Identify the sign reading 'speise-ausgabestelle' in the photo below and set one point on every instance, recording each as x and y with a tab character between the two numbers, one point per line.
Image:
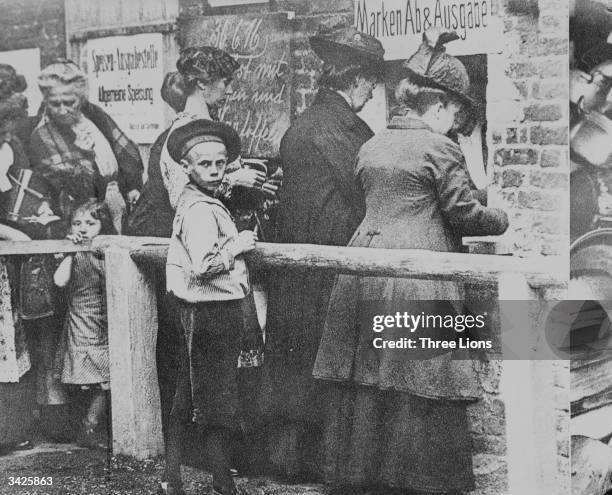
125	76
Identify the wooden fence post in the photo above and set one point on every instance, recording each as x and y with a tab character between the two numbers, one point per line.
132	327
527	389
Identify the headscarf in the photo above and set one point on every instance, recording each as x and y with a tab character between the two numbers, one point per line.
63	72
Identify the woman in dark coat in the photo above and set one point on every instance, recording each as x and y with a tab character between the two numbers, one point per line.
404	422
320	203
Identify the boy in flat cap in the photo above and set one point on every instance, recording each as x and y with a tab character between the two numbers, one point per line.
207	273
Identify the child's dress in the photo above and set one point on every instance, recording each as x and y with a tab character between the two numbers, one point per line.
84	358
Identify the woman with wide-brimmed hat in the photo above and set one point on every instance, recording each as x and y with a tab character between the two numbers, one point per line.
403	421
320	203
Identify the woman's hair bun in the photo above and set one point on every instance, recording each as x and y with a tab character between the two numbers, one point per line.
20	84
13	107
10	81
173	91
205	64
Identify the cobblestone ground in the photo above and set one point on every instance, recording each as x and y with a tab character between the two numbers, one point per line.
77	471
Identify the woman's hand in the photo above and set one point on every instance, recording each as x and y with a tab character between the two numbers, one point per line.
247	177
270	188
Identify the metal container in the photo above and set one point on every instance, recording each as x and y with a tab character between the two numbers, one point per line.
591	88
591	139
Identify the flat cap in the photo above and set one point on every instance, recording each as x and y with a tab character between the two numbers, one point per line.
182	139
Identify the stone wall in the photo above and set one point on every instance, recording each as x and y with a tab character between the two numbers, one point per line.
528	124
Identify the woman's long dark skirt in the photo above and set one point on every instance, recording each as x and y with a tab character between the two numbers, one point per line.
395	439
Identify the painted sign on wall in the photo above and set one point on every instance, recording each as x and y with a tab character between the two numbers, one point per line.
125	75
399	24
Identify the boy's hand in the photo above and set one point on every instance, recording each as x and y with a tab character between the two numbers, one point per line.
245	241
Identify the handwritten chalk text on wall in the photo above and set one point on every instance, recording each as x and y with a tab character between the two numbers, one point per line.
260	103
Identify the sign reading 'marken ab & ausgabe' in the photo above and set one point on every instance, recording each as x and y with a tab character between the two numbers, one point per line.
399	24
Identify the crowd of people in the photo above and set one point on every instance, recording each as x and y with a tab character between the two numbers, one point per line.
312	400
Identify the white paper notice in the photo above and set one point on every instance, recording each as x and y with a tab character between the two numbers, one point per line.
399	24
125	76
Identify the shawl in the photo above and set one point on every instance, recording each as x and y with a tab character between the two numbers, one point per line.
73	170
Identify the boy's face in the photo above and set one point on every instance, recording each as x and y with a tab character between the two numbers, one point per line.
205	164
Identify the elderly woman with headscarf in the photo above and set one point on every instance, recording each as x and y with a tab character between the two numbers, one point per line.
79	149
404	420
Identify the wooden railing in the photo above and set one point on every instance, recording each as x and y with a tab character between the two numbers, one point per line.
540	272
525	387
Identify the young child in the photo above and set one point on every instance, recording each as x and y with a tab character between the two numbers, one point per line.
206	272
83	359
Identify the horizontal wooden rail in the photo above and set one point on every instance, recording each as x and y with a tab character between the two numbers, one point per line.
132	329
8	248
540	271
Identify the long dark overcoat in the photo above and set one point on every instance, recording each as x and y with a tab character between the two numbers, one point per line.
320	203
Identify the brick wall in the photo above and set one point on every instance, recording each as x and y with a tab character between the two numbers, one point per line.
31	24
528	125
527	113
488	431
